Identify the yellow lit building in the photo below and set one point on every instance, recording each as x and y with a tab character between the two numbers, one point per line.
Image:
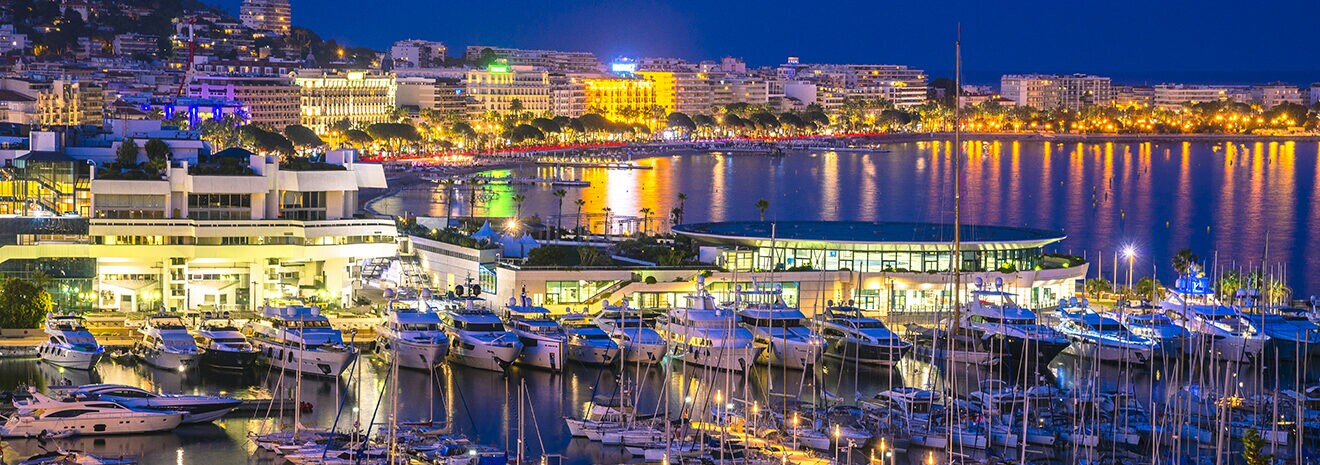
327	97
495	89
621	99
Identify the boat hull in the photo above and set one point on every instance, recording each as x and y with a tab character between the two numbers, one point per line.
721	358
547	355
592	354
26	427
166	360
69	358
637	352
850	350
232	360
412	355
310	361
796	355
1111	353
484	357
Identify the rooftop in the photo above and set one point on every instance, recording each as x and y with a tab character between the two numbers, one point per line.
862	232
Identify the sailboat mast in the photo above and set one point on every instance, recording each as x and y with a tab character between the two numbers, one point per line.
955	258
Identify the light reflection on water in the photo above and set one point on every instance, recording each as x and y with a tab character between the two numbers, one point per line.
1222	200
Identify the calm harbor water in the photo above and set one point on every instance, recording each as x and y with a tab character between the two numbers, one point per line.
1224	200
484	405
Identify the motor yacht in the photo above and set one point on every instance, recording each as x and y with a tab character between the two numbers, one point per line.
69	345
412	333
544	342
702	333
1010	329
222	346
293	336
1218	329
1099	337
195	409
477	337
631	330
856	338
166	343
44	415
587	343
779	331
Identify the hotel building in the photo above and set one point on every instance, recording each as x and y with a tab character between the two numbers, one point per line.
1049	91
548	60
266	15
327	97
1179	96
212	231
270	100
886	267
495	88
620	99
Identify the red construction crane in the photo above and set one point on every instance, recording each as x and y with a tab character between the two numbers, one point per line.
188	65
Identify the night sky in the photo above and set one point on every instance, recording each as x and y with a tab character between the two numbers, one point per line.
1133	41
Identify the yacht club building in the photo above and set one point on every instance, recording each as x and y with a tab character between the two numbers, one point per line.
885	267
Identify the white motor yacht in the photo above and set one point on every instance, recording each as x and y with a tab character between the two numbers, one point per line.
544	342
1008	329
1101	338
69	345
587	343
630	329
413	333
297	337
477	337
166	344
1218	328
701	333
195	409
43	415
778	330
223	346
854	337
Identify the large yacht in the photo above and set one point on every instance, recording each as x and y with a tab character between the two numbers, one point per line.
294	336
1215	327
854	337
195	409
630	329
166	344
544	341
1100	337
42	415
223	346
1146	321
587	343
70	345
1010	330
477	337
411	332
778	330
702	333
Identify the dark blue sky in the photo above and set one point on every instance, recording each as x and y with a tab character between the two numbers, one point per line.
1133	41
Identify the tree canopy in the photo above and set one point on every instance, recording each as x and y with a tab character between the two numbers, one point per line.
262	140
23	304
302	136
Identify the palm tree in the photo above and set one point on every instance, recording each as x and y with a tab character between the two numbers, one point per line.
646	219
517	202
577	225
1183	261
762	205
559	218
449	198
607	223
675	216
682	206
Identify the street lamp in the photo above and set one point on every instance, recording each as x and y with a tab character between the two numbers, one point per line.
1131	253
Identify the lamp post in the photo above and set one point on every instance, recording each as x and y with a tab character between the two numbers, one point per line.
1131	253
837	443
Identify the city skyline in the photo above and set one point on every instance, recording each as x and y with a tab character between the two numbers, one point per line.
1269	44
